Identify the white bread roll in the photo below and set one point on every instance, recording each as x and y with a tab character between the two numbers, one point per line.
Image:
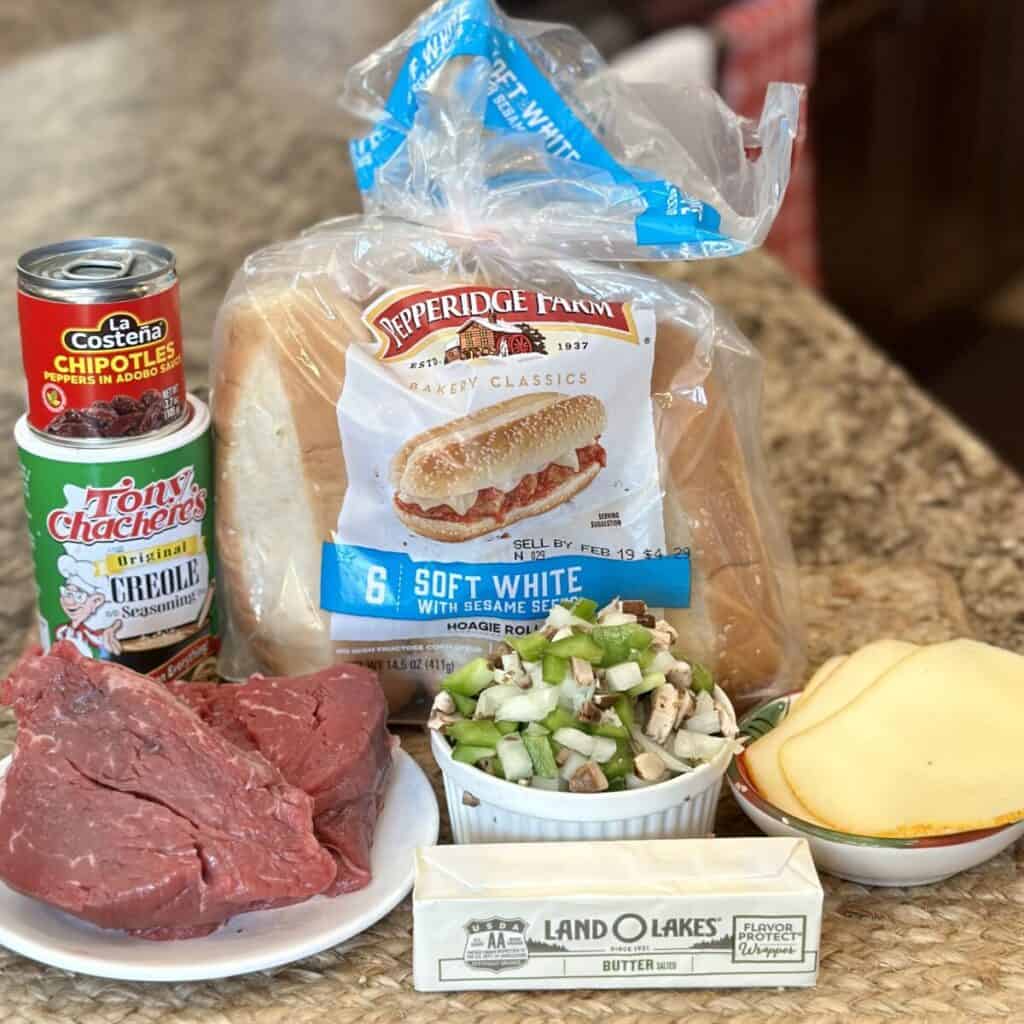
282	478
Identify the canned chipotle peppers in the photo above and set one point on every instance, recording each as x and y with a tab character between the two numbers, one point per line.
101	339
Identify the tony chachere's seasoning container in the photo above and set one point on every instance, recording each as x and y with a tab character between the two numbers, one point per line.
101	340
669	913
122	539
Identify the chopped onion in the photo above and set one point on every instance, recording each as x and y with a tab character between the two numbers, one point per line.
663	661
618	619
559	617
539	782
703	722
572	765
575	739
673	764
597	748
515	761
697	746
531	706
491	699
635	782
623	676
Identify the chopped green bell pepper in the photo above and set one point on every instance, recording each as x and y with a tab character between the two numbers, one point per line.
532	647
579	645
541	754
582	608
554	668
480	733
621	764
506	727
624	709
474	676
562	719
651	681
703	681
465	705
469	754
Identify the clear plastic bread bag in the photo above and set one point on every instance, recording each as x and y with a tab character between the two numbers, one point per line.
437	419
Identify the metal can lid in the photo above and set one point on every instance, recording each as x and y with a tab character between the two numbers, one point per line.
94	263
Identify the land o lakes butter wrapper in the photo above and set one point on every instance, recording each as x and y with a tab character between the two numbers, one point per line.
686	913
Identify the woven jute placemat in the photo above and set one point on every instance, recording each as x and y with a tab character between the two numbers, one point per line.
953	950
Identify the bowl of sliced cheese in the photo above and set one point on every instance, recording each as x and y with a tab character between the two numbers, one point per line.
899	764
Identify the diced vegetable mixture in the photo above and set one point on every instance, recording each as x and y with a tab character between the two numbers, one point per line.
595	700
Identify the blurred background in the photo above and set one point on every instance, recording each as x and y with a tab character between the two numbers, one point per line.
211	125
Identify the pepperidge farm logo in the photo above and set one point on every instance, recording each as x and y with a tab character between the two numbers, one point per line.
476	321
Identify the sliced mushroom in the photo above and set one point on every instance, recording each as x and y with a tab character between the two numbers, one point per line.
662	626
646	620
634	607
680	676
512	662
686	706
661	638
705	715
443	711
590	712
582	671
562	756
588	778
649	766
665	702
727	719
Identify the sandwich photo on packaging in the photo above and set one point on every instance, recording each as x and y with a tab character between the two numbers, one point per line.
457	420
687	913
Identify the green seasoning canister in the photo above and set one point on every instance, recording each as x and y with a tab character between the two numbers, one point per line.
122	539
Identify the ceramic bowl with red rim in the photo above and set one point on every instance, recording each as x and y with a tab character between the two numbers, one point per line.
864	859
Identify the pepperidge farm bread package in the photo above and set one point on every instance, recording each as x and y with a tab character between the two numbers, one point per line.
437	419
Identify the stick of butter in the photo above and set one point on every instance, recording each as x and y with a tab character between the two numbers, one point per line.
670	913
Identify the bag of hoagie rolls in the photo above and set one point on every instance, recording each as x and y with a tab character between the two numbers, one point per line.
430	429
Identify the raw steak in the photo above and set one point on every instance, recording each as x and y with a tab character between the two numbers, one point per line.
326	733
123	808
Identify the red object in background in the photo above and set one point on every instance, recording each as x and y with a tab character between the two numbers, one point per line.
774	41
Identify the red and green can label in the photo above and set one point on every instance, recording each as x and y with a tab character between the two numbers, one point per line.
110	370
124	553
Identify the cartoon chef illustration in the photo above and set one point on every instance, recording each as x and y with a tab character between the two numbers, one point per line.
82	603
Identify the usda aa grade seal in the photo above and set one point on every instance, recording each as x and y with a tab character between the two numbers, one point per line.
496	944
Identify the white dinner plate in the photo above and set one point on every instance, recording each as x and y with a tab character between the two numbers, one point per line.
249	942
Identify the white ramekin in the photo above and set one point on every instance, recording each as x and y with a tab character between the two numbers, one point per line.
483	809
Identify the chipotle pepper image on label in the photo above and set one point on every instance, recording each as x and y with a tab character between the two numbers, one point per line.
512	460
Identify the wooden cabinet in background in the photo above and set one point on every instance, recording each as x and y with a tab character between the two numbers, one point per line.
918	126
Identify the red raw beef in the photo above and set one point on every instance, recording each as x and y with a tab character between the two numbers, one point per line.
123	808
326	733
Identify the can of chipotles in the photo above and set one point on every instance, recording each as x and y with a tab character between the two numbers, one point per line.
122	541
101	340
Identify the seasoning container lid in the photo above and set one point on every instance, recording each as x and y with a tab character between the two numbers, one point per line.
94	262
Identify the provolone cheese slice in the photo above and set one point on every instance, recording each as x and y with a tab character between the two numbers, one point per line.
824	671
836	689
933	747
